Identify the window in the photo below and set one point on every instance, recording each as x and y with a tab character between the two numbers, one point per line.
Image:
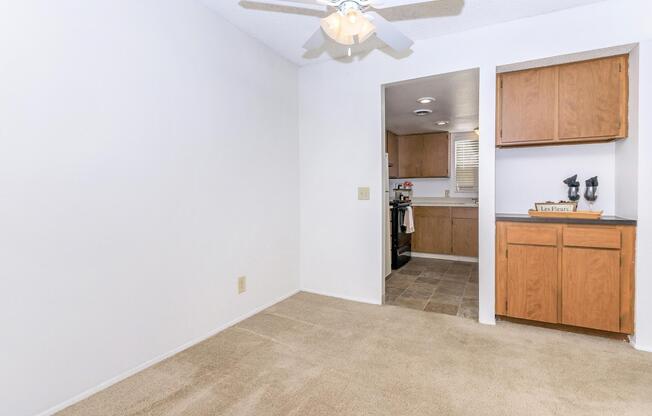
466	164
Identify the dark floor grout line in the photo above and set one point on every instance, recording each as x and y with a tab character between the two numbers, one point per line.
466	281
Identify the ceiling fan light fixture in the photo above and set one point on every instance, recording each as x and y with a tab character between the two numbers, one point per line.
343	28
366	30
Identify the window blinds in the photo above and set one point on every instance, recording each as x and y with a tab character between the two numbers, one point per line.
466	165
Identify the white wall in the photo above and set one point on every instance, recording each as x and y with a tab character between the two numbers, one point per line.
148	157
535	174
626	152
643	337
341	140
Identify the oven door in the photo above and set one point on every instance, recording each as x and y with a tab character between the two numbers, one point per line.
401	241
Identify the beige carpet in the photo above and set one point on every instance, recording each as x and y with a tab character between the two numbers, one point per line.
312	355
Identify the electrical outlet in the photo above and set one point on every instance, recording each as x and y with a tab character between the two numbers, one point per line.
242	284
364	194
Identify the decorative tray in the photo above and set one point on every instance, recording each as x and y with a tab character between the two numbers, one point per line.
583	215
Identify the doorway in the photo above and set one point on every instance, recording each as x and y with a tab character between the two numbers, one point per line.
431	141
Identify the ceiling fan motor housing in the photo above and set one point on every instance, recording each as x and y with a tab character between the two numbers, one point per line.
345	6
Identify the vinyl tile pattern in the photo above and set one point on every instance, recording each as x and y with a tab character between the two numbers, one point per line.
312	355
439	286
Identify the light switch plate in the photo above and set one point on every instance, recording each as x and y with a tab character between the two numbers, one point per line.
242	284
364	194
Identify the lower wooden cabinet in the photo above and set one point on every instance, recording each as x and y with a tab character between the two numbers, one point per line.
578	275
464	232
432	230
446	230
590	293
532	283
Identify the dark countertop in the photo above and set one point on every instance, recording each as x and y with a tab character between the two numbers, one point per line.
605	220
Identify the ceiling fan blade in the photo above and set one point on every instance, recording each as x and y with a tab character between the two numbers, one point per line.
386	4
316	40
282	8
389	34
311	4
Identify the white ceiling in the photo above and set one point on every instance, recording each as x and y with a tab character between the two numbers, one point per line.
285	29
457	101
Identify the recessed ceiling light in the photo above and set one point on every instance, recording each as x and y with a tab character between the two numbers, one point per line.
442	123
426	100
422	112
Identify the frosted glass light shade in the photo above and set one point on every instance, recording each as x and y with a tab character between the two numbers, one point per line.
344	29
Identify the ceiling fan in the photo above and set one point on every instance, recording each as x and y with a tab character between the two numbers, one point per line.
351	22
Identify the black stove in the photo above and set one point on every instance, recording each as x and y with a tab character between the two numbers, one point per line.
401	241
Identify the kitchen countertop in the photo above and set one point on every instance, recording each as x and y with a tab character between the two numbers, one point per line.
444	202
605	220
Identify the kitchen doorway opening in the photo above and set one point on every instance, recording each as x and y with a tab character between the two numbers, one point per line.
431	139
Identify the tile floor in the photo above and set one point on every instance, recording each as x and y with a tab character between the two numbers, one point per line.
441	286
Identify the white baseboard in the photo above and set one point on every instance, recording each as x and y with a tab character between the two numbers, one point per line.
156	360
445	257
487	321
351	298
639	347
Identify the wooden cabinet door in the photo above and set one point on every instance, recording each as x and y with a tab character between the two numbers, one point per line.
465	232
392	151
532	282
591	288
435	157
465	237
593	99
432	232
410	149
527	105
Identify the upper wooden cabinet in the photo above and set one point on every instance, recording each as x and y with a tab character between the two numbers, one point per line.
528	101
392	151
410	150
420	155
578	102
593	98
435	157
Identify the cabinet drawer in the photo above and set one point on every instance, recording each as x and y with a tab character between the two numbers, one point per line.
465	213
432	212
537	235
592	237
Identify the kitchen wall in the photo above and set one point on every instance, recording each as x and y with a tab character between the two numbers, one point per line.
643	337
535	174
330	174
436	187
627	151
141	151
